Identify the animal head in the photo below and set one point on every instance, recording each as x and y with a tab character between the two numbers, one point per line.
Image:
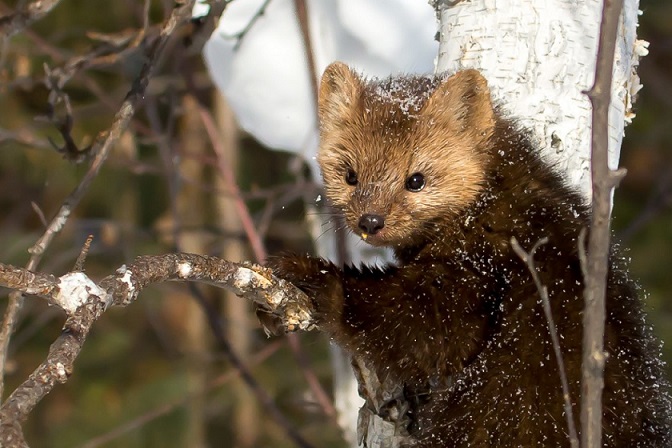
401	154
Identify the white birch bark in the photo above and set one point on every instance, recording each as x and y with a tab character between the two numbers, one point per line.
538	57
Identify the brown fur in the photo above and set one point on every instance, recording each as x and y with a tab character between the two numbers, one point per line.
434	142
458	321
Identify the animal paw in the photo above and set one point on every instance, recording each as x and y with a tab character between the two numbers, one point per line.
313	275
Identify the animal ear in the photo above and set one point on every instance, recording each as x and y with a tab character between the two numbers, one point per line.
463	98
339	89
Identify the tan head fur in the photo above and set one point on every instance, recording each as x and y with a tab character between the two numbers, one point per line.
386	130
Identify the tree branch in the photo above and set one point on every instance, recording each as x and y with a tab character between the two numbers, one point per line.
240	35
528	259
87	300
12	24
101	149
603	181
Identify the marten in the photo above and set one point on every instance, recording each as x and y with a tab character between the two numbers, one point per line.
428	166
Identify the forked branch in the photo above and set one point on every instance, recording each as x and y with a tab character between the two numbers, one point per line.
84	301
101	148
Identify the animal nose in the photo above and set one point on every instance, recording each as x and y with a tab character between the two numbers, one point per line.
371	224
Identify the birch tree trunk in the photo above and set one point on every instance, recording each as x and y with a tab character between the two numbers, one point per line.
539	58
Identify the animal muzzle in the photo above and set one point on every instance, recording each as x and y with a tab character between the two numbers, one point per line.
371	224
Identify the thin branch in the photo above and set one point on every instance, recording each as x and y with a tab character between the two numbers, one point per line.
79	264
76	66
321	396
57	96
604	180
12	24
528	259
301	10
23	137
230	180
84	301
101	148
241	34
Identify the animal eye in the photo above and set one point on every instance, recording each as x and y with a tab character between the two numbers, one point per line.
415	182
350	176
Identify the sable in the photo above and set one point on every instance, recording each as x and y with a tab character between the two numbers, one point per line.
429	167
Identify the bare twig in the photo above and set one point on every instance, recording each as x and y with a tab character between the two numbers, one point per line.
230	180
79	264
241	34
84	301
57	96
321	396
40	214
528	259
23	137
111	49
117	47
301	10
102	147
145	15
12	24
604	180
583	256
302	16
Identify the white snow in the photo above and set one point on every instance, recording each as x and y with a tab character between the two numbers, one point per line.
184	269
126	278
74	291
242	278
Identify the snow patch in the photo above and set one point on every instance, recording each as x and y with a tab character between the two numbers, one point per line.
242	279
201	9
60	370
398	91
126	278
184	269
61	220
74	291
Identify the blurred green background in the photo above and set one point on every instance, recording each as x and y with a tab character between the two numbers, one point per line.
151	374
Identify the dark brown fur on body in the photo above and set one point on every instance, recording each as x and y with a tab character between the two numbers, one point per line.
458	319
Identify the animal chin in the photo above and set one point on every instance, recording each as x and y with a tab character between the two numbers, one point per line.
377	239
